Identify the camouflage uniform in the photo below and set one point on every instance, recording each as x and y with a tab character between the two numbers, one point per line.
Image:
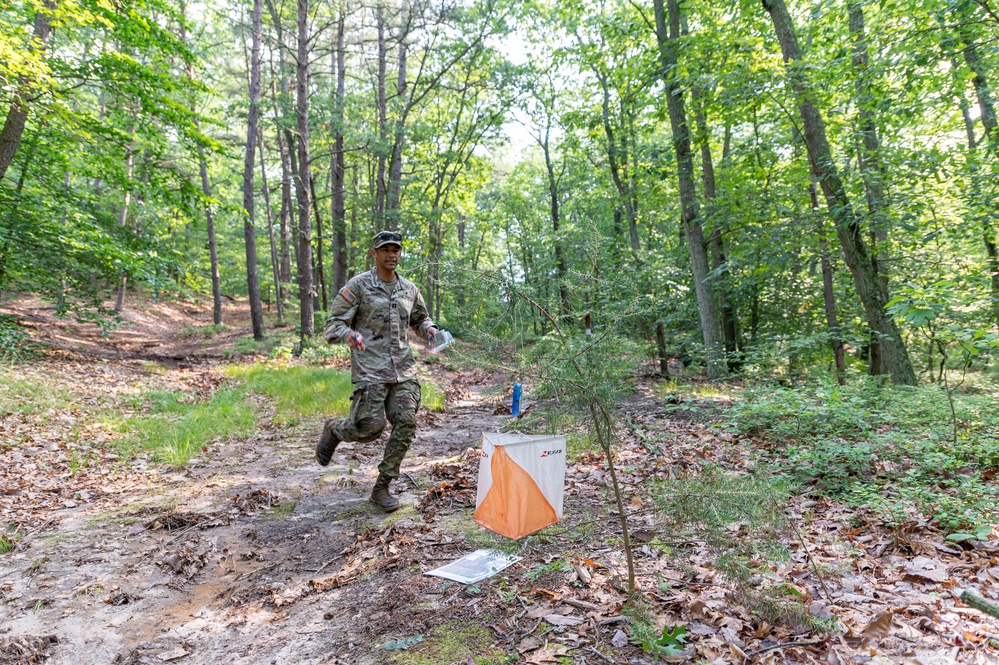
384	375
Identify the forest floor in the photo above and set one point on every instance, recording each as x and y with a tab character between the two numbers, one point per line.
252	553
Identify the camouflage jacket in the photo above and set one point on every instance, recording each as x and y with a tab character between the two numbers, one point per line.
382	314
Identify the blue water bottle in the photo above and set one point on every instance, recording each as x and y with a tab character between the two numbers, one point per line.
515	405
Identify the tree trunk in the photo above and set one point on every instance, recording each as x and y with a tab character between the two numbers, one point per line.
337	163
828	294
563	293
17	115
986	105
286	143
895	355
304	227
395	161
275	264
668	38
320	269
871	169
987	113
728	322
249	232
119	304
206	189
614	159
284	251
380	185
661	347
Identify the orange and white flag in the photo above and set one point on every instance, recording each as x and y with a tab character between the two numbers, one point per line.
521	483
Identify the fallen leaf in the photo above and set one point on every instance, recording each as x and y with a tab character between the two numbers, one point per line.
562	620
925	569
548	655
879	627
620	639
529	643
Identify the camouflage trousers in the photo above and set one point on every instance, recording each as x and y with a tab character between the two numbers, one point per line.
373	405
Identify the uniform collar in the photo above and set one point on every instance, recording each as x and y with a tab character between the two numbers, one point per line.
381	284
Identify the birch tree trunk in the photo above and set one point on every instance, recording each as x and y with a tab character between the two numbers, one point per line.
895	355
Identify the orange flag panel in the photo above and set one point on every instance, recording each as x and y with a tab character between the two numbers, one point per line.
514	505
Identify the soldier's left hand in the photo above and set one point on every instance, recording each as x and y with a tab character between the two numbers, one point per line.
432	332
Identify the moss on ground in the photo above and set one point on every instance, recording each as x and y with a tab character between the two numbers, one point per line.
453	642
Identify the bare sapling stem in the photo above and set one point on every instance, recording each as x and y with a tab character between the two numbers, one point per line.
602	426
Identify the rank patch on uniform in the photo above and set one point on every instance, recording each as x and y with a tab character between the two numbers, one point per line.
347	295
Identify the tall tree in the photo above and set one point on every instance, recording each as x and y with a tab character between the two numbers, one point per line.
249	230
870	163
305	286
206	190
895	356
337	162
17	114
668	38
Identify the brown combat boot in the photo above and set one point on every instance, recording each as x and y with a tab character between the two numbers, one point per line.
328	442
380	494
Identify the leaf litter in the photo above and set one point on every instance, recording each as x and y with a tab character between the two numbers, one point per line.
358	579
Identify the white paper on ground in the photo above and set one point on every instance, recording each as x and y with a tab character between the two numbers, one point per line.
476	566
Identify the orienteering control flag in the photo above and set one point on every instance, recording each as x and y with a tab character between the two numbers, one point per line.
521	482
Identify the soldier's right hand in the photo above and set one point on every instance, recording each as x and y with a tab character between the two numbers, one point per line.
355	340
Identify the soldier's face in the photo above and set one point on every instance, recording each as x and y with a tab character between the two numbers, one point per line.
387	257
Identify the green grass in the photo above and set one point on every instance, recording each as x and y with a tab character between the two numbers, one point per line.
177	429
31	396
431	397
8	539
204	331
298	391
247	346
889	448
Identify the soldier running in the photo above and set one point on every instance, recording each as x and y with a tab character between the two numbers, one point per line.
372	314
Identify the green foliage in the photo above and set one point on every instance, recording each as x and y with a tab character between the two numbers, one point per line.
321	353
540	570
15	344
668	642
888	448
298	391
8	539
178	427
431	397
739	518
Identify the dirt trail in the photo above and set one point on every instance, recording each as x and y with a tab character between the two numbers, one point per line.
219	563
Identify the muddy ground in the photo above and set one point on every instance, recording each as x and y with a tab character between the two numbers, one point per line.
255	554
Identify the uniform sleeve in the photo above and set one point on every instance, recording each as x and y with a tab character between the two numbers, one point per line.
419	318
342	313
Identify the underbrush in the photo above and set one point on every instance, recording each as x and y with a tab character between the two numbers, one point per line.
15	344
896	450
178	428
